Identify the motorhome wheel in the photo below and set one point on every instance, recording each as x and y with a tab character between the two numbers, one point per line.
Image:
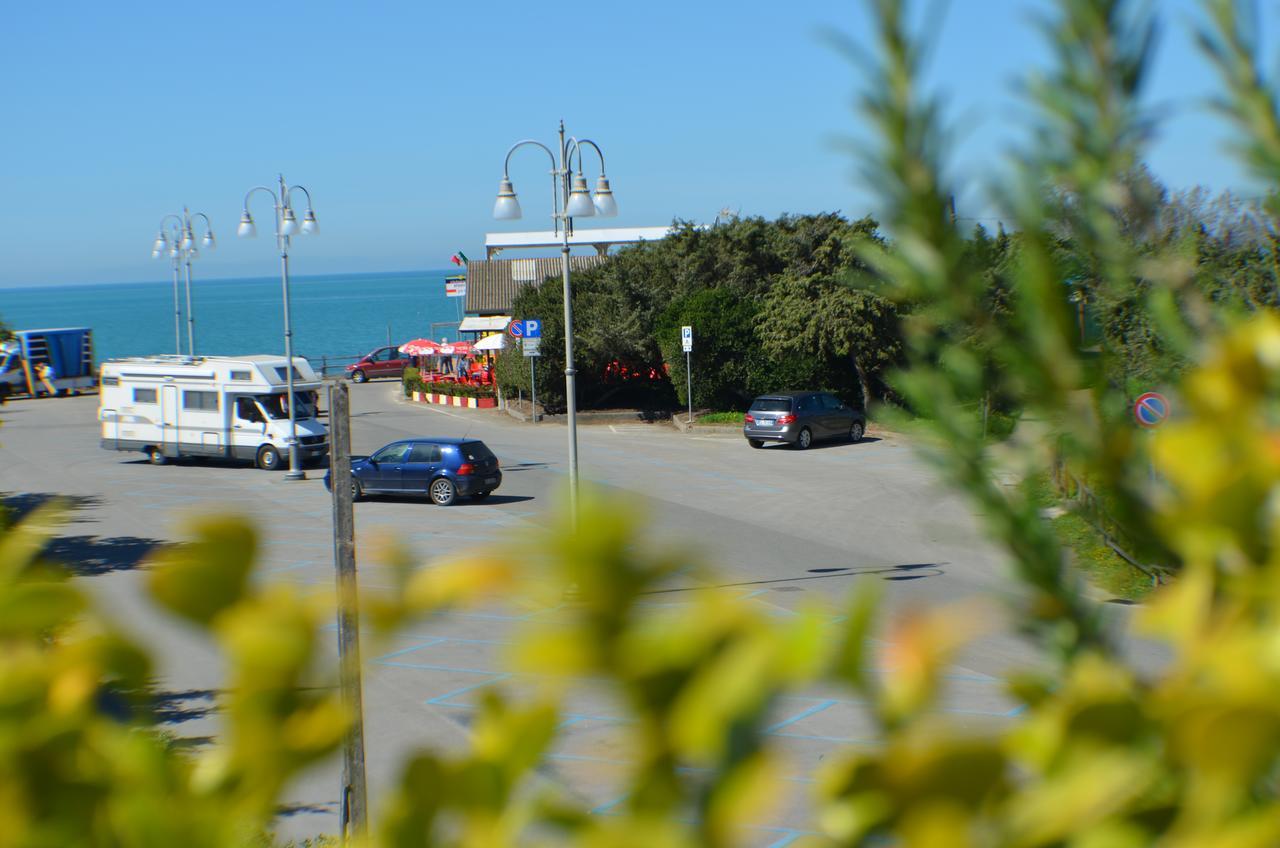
268	458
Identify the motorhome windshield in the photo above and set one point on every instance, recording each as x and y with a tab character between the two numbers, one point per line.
277	405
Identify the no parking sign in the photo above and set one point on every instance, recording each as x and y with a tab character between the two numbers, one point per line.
1150	410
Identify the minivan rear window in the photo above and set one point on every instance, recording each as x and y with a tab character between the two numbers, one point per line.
768	404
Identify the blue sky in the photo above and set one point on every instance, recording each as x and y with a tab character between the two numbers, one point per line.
397	115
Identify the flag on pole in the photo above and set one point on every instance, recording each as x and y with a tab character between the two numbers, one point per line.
459	258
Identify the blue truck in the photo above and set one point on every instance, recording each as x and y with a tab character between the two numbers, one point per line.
32	361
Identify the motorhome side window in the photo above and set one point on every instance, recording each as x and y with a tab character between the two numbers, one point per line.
144	395
247	410
200	400
241	376
283	376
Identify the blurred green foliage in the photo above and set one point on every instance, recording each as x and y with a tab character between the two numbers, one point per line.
1104	756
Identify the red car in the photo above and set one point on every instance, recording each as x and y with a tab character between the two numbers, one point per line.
383	362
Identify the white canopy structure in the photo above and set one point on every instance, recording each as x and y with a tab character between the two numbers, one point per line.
495	342
484	324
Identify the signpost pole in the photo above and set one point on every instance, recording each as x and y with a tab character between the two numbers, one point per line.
354	803
1150	411
688	373
533	391
686	342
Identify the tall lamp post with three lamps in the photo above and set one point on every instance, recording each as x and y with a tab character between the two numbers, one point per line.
286	226
569	200
180	245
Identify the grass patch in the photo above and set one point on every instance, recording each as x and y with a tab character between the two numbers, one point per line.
1101	565
718	418
1000	425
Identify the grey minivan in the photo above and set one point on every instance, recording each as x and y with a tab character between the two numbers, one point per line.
801	418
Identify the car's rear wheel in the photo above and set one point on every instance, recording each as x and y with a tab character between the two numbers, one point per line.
856	431
268	458
155	456
755	443
442	491
804	439
358	376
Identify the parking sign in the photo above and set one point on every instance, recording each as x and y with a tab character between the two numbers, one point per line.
532	328
686	338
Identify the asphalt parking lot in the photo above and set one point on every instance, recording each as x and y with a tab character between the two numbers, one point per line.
786	530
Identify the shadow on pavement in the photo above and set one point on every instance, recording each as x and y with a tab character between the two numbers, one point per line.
297	809
88	556
177	707
826	445
19	505
492	500
905	571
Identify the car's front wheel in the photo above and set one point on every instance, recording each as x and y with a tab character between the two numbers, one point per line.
358	376
268	458
442	491
755	443
356	492
856	431
803	439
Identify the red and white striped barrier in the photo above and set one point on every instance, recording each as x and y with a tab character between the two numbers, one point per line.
453	400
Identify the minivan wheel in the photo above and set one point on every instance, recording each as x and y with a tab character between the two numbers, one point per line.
268	458
155	456
856	431
804	439
755	443
442	491
358	376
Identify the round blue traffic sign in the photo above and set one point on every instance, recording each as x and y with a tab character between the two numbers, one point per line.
1151	409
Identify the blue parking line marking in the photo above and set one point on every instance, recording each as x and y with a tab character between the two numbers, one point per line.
603	809
1006	714
442	700
410	649
586	758
842	740
432	667
814	710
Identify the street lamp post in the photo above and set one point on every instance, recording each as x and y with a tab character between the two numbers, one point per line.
569	200
180	244
286	226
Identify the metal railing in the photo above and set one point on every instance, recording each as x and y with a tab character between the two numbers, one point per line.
1089	506
326	365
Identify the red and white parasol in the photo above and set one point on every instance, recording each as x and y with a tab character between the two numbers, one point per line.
420	347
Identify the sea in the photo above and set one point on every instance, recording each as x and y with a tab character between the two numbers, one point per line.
336	317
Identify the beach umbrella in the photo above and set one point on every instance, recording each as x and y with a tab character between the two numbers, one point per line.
420	347
455	348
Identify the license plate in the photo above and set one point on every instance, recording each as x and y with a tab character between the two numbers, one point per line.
765	422
491	481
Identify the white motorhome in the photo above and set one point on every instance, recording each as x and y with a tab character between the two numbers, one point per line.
226	407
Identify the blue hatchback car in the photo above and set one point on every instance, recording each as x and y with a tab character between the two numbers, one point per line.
442	469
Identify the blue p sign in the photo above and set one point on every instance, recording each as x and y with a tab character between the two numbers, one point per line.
532	328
